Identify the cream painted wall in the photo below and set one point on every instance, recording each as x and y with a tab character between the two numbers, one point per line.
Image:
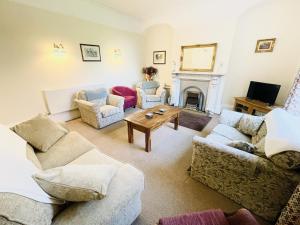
159	38
28	65
278	19
206	32
171	38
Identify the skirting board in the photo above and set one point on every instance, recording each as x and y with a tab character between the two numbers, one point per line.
60	102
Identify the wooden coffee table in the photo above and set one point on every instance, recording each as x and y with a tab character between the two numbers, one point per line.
139	122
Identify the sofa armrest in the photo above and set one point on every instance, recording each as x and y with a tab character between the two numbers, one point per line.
207	152
141	95
116	101
85	105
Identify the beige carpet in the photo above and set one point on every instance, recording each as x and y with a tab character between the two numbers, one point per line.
168	188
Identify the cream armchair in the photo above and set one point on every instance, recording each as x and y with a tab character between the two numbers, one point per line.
150	94
100	112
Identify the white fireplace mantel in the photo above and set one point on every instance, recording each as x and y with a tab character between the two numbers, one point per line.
214	90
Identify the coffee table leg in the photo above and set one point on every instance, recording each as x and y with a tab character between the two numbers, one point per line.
148	140
176	122
130	133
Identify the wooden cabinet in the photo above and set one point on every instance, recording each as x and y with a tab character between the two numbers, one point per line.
254	107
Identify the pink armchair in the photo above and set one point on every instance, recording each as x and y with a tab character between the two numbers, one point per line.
128	93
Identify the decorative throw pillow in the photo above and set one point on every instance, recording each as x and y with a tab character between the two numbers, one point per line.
290	215
97	96
242	145
260	148
287	160
261	133
250	124
41	132
16	209
77	183
230	118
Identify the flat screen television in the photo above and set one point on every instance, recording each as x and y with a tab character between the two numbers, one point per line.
263	92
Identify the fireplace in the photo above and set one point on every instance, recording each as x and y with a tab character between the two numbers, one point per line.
194	99
197	91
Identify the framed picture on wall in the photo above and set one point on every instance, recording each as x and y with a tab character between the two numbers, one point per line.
265	45
159	57
90	53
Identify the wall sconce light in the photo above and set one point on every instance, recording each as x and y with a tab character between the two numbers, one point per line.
117	52
58	49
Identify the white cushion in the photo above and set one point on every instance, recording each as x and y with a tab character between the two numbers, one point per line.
108	110
218	138
230	133
77	183
153	98
230	118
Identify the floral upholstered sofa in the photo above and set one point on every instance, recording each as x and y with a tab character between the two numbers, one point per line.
245	174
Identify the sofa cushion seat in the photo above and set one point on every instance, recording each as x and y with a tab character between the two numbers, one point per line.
19	210
108	110
230	133
152	98
121	202
64	151
218	138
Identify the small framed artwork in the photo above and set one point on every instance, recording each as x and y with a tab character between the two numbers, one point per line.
90	53
265	45
159	57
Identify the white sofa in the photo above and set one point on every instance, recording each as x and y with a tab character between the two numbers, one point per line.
121	206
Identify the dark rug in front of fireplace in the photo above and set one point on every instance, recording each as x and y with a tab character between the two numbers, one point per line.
193	120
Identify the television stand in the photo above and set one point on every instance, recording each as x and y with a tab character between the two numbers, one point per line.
253	107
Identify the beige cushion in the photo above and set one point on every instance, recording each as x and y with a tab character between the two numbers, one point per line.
32	156
108	110
21	210
68	148
77	183
250	124
152	98
41	132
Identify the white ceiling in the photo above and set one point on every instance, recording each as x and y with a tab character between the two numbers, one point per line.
149	9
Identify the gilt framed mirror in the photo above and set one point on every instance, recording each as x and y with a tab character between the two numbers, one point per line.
198	58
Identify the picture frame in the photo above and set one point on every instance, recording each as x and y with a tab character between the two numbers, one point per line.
90	53
198	58
265	45
159	57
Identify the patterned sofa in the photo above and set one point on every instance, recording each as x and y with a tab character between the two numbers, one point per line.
249	178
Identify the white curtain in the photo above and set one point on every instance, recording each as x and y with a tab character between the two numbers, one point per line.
293	101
